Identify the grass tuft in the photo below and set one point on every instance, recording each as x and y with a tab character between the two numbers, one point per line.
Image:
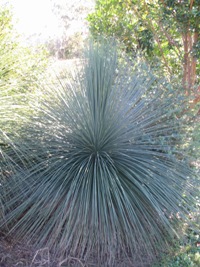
103	171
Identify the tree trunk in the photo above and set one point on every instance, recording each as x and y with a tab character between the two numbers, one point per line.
189	64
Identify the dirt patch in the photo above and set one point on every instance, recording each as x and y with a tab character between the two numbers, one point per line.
14	253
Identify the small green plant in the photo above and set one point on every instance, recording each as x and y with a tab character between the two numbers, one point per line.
184	255
186	251
102	170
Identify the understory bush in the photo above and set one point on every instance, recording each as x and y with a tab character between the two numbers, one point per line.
102	173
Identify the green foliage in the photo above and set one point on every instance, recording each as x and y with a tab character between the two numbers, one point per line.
20	69
20	66
183	13
154	27
186	253
186	259
102	172
114	18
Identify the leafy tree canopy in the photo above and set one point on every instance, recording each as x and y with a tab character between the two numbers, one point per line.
166	31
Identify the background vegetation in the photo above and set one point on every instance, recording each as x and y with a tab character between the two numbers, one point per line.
166	32
72	17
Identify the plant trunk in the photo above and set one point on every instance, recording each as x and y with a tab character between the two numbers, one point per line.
189	65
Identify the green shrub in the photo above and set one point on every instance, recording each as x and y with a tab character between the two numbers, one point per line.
103	175
20	66
20	69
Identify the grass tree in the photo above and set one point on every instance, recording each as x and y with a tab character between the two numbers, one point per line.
104	171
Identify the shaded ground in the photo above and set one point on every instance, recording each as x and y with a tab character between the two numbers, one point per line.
13	253
18	254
